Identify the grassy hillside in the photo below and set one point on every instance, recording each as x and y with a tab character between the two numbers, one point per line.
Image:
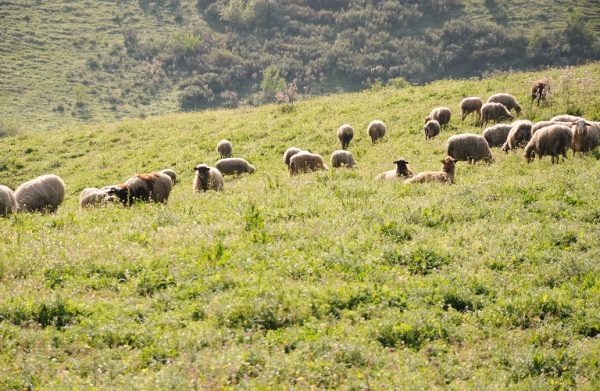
319	281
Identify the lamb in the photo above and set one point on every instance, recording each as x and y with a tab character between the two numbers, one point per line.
469	147
540	90
306	162
471	105
542	124
444	176
586	136
42	194
519	135
431	129
494	112
224	149
565	118
207	178
342	158
287	155
402	171
8	202
441	115
233	165
345	134
171	173
507	100
496	135
376	130
154	186
553	140
94	197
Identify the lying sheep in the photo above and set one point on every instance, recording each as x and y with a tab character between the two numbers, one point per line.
342	158
565	118
8	202
494	112
306	162
586	136
287	155
444	176
542	124
207	178
42	194
469	147
224	149
441	115
402	171
496	135
507	100
431	129
540	90
171	173
234	165
553	140
345	134
376	130
471	105
95	197
519	135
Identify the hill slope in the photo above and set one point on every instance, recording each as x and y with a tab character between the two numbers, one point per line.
324	280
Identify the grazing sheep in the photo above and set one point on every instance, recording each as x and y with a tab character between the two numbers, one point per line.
207	178
553	140
471	105
342	159
42	194
469	147
287	155
441	115
154	186
94	197
224	149
496	135
431	129
586	136
444	176
565	118
542	124
402	171
234	165
494	112
171	173
345	134
519	135
8	202
540	90
376	130
507	100
306	162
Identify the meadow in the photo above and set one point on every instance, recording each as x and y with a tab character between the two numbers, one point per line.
325	280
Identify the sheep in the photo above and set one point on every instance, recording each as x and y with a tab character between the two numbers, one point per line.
444	176
494	112
471	105
207	178
540	90
586	136
469	147
42	194
345	134
402	171
496	135
234	165
91	196
376	130
171	173
565	118
224	149
305	162
507	100
519	135
431	129
154	186
8	202
342	158
441	115
287	155
542	124
553	140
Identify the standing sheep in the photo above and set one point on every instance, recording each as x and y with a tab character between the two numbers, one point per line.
444	176
345	134
94	197
342	158
494	112
171	173
471	105
507	100
496	135
469	147
586	136
441	115
154	186
553	140
540	90
431	129
402	171
287	155
8	202
519	135
542	124
376	130
207	178
224	149
42	194
306	162
565	118
234	165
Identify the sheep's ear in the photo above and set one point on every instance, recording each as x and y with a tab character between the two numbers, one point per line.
588	124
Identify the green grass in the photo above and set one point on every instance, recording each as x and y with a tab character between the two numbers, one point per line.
320	281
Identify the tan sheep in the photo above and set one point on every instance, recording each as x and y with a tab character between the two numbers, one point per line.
171	173
91	196
345	134
207	178
441	115
469	147
402	171
376	130
287	155
542	124
519	135
471	105
565	118
234	166
444	176
586	136
224	149
431	129
494	112
540	89
496	135
507	100
8	202
42	194
342	158
553	140
306	162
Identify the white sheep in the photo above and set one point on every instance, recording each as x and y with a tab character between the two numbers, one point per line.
341	158
207	178
287	155
431	129
91	196
565	118
306	162
224	149
507	100
469	147
441	115
402	171
8	202
494	112
42	194
496	135
234	165
519	135
376	130
470	105
171	173
345	134
553	140
586	136
444	176
542	124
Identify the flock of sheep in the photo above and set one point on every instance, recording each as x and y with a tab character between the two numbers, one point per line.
547	138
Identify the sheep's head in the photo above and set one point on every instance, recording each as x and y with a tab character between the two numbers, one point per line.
401	167
580	126
202	170
120	192
448	164
529	153
517	109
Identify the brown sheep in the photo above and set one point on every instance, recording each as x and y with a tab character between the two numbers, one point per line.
444	176
471	105
540	89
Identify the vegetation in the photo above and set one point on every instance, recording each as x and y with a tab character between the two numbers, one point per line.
318	281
